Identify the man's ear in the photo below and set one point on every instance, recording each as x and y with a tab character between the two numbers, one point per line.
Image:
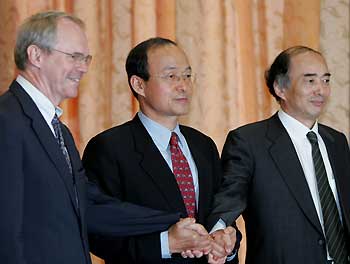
279	91
35	56
138	85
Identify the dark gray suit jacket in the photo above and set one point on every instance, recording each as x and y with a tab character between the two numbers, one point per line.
264	181
39	220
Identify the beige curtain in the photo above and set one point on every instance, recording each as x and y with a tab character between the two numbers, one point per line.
230	43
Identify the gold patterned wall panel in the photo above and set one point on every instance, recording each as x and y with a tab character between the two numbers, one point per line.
200	31
9	20
335	45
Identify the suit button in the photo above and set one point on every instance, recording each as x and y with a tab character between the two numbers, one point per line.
321	242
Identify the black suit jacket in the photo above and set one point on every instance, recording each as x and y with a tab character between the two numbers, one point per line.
40	221
126	163
264	180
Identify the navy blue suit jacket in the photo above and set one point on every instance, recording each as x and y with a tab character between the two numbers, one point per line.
40	221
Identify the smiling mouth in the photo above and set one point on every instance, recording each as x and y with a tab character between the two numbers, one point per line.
318	103
77	80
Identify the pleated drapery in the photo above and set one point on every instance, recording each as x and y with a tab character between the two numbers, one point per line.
230	43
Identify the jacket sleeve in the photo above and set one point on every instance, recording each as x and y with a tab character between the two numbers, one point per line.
11	193
220	210
110	217
238	165
116	227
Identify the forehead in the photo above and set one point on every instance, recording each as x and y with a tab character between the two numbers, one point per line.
166	57
308	63
70	35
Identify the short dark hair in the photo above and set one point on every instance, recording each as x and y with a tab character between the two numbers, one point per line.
137	60
279	69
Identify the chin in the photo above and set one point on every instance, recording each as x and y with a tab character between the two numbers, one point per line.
72	93
181	113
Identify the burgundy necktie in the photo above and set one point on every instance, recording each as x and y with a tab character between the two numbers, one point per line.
183	175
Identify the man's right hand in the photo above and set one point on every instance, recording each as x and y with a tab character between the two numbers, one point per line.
187	235
223	242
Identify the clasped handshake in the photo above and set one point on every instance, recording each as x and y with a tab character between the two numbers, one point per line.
192	240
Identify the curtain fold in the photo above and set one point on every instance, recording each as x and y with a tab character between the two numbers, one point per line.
230	43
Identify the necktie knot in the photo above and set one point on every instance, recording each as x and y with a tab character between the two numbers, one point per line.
312	137
173	140
55	124
55	120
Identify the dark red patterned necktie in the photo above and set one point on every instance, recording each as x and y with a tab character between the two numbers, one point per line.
183	175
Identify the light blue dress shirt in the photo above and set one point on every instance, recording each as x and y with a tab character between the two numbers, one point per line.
161	138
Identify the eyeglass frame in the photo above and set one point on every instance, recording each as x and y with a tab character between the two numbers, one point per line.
77	57
177	77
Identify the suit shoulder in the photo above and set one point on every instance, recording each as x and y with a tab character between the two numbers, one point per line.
114	133
251	129
10	108
107	140
9	104
199	141
327	130
190	132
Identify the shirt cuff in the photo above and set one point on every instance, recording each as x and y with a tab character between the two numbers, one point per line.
232	256
164	245
218	226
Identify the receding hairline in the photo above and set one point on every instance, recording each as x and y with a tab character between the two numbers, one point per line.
296	54
297	50
75	20
157	47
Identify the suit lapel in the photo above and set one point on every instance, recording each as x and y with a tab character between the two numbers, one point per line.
329	142
336	159
203	178
45	137
74	159
286	160
155	167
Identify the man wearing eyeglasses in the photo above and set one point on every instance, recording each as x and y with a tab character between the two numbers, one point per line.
44	194
155	162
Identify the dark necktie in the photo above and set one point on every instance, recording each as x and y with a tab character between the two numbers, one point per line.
183	175
334	232
60	140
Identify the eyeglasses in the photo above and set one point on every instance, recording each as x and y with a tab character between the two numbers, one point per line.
77	58
175	78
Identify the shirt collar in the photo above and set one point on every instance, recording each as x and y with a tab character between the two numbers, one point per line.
295	129
160	134
45	106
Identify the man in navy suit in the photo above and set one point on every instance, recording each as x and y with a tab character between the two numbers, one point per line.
134	161
281	180
46	203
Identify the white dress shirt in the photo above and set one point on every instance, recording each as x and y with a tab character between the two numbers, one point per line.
45	106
